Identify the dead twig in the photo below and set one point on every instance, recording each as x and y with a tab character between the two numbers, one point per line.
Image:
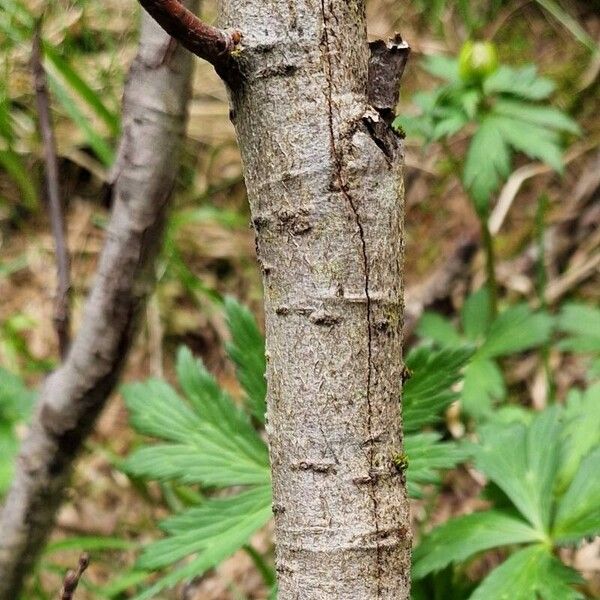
520	176
71	580
62	312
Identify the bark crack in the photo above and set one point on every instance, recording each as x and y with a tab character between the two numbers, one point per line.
339	173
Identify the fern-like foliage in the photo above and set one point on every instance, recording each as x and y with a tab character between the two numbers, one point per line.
205	439
426	395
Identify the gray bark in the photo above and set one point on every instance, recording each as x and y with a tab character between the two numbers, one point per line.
323	172
154	117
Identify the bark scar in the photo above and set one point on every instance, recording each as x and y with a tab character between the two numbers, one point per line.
339	173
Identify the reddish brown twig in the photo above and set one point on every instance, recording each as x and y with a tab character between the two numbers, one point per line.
62	315
209	43
71	580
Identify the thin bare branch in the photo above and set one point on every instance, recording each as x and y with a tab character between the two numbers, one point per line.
209	43
62	311
71	580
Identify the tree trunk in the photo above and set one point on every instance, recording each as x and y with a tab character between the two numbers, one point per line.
323	173
154	117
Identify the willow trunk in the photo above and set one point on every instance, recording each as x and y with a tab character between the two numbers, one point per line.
324	179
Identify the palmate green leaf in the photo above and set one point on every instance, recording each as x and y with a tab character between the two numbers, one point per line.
463	537
522	461
530	574
516	329
487	163
247	351
523	82
531	139
213	531
213	441
581	431
483	387
582	323
200	461
157	410
428	391
214	406
544	116
426	456
435	327
578	512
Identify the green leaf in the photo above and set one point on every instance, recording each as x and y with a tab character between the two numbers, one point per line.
581	431
426	455
89	543
444	67
530	574
449	125
523	82
487	163
428	391
522	461
18	172
582	322
203	460
469	102
82	89
16	399
578	513
9	446
483	386
515	330
247	351
533	140
155	409
213	531
214	442
440	330
461	538
419	126
116	587
543	116
476	315
101	148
